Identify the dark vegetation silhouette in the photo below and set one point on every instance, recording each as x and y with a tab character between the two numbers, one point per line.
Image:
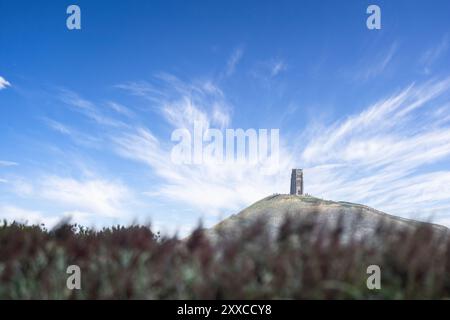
303	261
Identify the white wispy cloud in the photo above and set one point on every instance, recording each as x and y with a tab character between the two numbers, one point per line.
267	71
89	109
12	213
58	126
119	108
22	187
232	62
96	197
181	104
4	163
384	156
277	67
433	54
140	89
370	68
4	83
77	136
229	185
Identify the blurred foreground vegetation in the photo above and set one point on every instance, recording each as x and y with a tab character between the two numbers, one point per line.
303	261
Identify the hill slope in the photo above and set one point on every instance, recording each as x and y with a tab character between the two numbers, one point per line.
358	219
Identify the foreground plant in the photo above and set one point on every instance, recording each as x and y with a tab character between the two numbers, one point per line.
302	260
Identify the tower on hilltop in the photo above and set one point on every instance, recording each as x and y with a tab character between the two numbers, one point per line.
297	182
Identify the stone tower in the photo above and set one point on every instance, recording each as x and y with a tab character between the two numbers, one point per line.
297	182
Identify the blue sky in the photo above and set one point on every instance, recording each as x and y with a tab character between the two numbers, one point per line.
86	115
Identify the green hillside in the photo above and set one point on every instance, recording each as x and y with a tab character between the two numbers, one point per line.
359	219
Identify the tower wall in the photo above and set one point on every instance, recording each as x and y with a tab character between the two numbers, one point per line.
297	182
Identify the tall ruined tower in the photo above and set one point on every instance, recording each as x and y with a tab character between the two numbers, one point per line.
297	182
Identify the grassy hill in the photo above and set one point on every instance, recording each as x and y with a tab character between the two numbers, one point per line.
360	220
